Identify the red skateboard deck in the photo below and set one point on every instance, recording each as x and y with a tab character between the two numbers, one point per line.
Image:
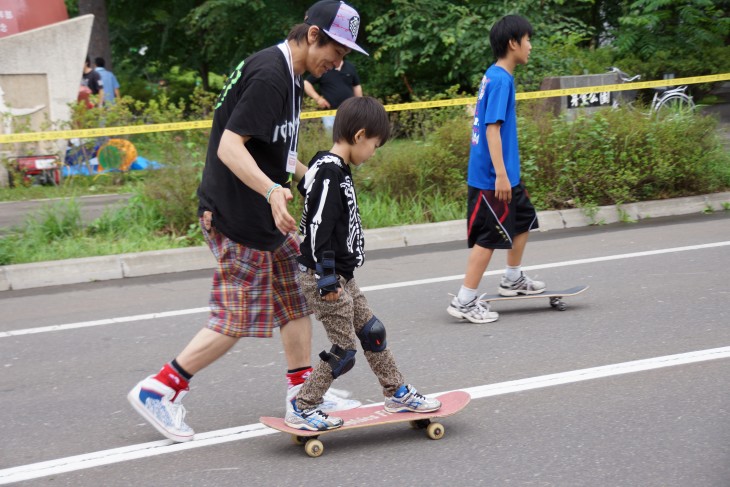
365	416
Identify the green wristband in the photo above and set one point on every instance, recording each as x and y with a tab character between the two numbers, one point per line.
271	190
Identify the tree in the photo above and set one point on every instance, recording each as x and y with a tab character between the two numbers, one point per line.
99	43
432	44
203	35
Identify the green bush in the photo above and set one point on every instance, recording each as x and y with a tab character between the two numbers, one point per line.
612	157
619	156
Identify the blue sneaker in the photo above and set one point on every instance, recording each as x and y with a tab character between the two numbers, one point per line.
160	405
407	399
310	419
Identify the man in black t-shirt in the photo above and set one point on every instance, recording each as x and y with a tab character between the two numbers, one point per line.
336	86
243	194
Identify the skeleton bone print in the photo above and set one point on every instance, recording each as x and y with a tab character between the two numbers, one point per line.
326	174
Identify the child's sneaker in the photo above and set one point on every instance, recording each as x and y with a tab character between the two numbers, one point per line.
310	419
333	399
476	311
160	405
406	398
523	285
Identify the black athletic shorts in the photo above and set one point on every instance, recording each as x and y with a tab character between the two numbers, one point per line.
492	223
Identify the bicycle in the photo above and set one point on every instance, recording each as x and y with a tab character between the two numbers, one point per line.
666	103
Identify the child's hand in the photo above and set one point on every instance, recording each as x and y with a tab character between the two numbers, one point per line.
333	296
503	189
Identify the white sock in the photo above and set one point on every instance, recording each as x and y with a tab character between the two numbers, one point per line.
466	294
513	272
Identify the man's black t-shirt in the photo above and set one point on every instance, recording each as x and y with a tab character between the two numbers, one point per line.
337	86
256	102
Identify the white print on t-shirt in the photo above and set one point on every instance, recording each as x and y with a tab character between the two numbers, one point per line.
285	130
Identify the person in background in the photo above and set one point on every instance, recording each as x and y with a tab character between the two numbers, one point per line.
336	85
92	80
111	85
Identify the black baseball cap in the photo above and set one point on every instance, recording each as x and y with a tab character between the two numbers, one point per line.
338	20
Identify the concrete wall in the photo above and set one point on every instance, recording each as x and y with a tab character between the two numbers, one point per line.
43	67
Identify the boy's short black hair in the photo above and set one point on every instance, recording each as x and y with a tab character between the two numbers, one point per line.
99	62
357	113
508	28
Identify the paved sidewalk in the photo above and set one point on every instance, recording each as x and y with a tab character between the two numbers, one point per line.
74	271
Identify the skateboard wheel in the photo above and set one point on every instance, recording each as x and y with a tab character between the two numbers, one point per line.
435	431
298	440
314	448
562	306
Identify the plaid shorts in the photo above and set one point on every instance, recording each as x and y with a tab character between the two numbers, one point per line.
253	291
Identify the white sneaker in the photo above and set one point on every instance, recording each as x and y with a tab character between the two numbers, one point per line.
334	402
523	285
333	399
160	405
476	310
311	419
407	399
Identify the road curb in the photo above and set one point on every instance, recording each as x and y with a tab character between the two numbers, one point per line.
75	271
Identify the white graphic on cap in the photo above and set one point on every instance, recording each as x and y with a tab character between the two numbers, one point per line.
354	26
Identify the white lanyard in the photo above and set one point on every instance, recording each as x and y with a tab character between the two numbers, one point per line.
291	164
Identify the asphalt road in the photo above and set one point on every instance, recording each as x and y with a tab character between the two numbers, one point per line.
559	397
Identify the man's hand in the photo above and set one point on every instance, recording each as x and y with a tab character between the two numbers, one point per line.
323	103
278	201
503	189
208	223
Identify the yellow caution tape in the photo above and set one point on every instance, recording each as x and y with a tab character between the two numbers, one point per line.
102	132
419	105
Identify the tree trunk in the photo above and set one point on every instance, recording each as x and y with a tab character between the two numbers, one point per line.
99	43
204	71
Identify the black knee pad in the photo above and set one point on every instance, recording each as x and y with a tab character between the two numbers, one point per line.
339	360
372	336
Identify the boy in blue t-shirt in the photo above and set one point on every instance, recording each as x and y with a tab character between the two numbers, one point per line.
499	213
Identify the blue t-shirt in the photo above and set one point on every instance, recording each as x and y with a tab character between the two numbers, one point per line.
495	103
110	84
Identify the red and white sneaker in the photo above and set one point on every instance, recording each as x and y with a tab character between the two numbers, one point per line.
161	406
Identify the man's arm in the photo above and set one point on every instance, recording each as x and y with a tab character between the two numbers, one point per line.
309	90
232	151
357	90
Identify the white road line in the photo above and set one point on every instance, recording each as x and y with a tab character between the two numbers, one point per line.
151	449
380	287
107	321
